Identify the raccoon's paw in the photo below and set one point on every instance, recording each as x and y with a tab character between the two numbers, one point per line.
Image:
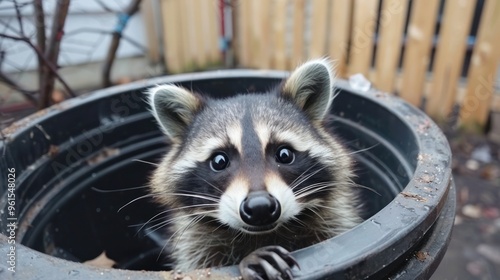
271	262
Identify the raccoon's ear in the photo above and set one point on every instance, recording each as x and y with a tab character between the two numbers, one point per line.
174	108
310	86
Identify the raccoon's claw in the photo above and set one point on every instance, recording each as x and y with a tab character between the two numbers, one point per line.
271	262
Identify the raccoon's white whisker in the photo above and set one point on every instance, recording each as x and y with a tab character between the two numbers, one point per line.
312	189
335	94
118	190
147	162
182	229
359	151
190	224
194	206
297	220
311	217
284	236
305	178
319	184
323	206
220	225
136	199
298	178
151	219
210	184
207	258
156	227
174	209
352	184
239	235
196	196
169	221
205	194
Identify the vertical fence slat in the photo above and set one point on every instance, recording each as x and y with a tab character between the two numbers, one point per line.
196	24
391	26
298	12
259	46
147	9
266	47
340	31
363	32
183	26
417	54
172	42
214	53
204	48
483	68
243	36
318	28
205	12
449	57
279	29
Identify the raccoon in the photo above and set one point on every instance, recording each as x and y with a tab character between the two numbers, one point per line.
252	177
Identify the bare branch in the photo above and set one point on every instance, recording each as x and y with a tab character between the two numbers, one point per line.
40	24
7	26
51	66
28	94
19	18
104	6
12	37
40	38
52	51
115	43
20	5
132	41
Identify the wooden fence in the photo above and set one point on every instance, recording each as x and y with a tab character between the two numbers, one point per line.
422	50
191	34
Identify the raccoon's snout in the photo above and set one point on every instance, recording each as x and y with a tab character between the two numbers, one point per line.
260	208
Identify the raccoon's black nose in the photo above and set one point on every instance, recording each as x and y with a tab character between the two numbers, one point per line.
260	208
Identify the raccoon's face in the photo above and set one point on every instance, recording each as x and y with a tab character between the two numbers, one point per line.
252	162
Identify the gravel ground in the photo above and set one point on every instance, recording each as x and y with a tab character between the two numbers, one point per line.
474	250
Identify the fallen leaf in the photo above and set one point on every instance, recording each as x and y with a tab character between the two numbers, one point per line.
421	255
101	261
471	211
472	164
53	151
413	196
102	155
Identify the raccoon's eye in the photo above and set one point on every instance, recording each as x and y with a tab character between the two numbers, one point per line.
285	155
219	162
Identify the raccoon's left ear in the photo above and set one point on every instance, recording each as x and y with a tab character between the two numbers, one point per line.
174	108
310	86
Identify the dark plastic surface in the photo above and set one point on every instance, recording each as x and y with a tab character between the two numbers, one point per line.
79	162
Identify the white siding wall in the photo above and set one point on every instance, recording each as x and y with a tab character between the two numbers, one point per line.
79	45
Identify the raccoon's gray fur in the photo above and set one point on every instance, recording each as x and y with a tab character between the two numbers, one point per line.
253	171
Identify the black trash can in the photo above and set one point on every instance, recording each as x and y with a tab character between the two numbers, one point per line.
79	169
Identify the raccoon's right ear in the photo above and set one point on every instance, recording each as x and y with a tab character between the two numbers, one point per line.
174	108
310	87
